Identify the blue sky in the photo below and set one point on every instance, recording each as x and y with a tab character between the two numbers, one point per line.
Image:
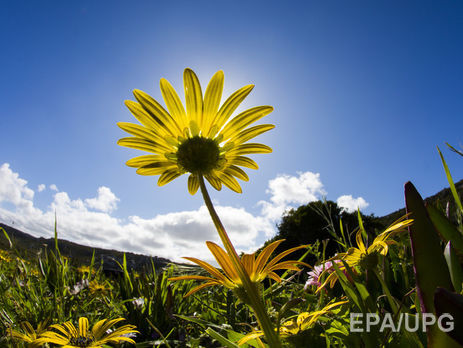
363	93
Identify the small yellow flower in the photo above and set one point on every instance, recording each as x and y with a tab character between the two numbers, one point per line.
199	140
257	268
71	337
83	269
4	256
30	335
97	288
366	257
291	327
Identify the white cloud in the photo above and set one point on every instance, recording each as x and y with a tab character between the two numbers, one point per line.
40	188
14	190
350	204
89	221
106	201
290	191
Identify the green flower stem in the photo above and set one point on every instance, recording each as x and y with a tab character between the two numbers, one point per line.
251	290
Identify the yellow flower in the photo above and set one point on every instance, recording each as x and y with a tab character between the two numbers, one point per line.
98	288
257	268
30	335
71	337
291	327
83	269
367	257
198	140
4	256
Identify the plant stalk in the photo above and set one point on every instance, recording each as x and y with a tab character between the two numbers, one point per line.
256	302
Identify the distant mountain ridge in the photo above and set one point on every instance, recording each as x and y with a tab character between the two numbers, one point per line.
29	246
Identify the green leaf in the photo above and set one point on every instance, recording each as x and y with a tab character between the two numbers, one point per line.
349	289
429	263
456	273
445	228
447	302
450	180
221	339
7	237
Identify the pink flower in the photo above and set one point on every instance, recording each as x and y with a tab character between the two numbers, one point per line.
314	276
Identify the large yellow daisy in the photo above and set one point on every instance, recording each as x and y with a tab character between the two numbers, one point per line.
258	268
201	140
71	337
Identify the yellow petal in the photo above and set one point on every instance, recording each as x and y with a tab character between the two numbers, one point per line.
193	184
156	168
248	261
274	276
199	287
28	328
212	98
245	149
145	119
229	181
83	326
289	265
399	225
168	176
214	181
155	110
238	172
250	133
193	96
212	270
244	119
144	160
143	133
283	254
230	105
191	277
265	255
243	162
359	239
223	260
70	328
143	144
173	103
100	328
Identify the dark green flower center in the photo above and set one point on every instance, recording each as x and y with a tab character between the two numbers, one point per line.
198	155
81	341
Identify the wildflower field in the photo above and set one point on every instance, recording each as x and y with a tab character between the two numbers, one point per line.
376	288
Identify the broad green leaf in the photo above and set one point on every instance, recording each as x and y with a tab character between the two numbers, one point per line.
456	273
446	229
430	266
447	302
428	259
221	339
351	292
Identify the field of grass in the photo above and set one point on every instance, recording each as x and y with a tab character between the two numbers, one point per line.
356	299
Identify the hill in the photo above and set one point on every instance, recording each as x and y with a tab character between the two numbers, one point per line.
29	246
